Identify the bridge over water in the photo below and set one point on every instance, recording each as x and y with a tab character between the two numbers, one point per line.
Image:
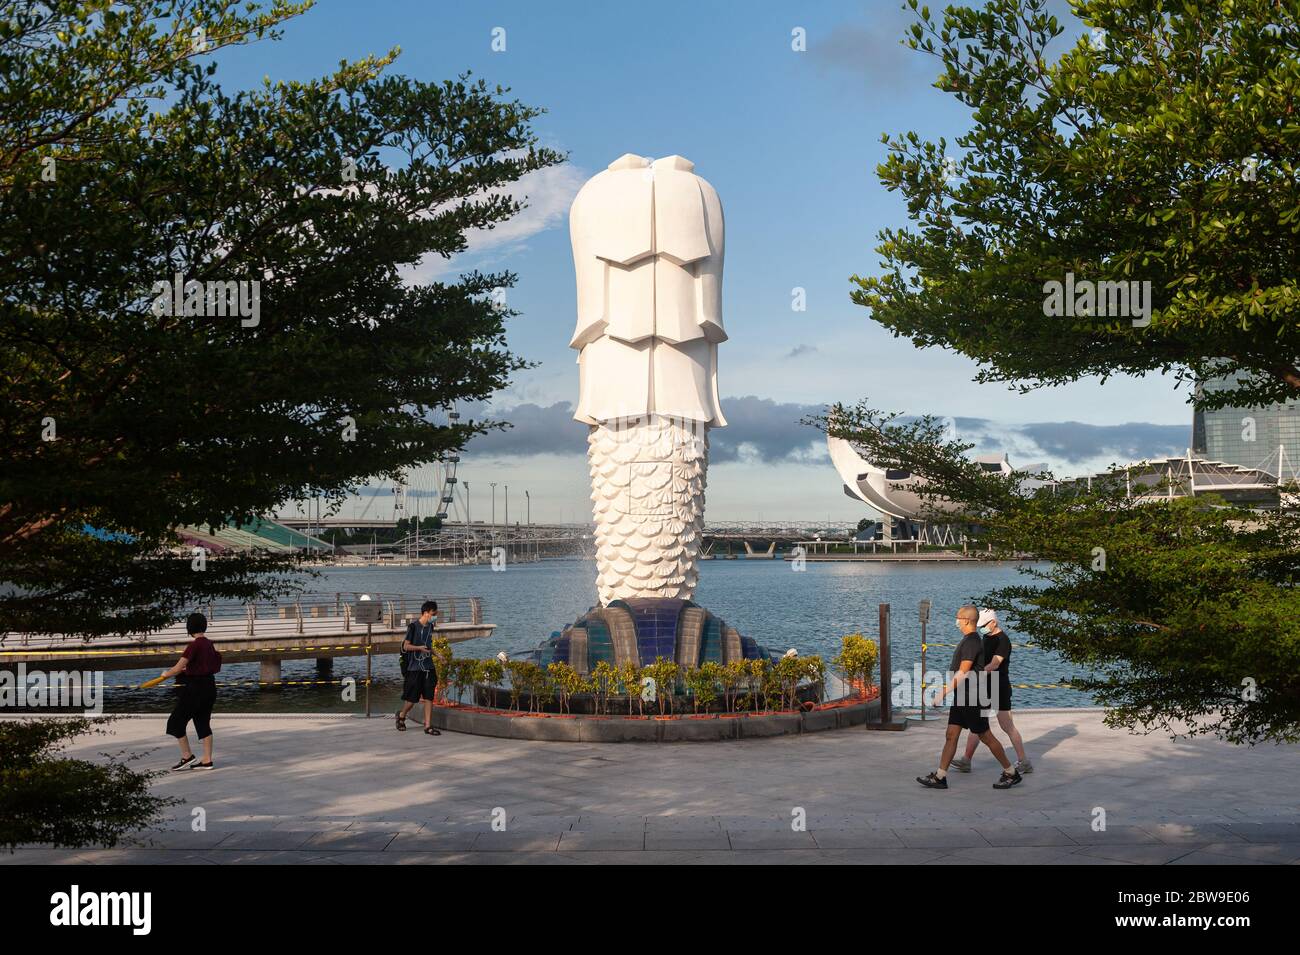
306	626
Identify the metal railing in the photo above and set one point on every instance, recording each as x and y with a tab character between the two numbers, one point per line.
299	613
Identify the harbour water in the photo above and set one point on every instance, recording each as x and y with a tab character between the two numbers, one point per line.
766	599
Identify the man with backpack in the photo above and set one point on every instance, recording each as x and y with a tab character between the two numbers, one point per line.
419	676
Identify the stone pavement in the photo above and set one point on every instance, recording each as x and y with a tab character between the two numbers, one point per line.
338	790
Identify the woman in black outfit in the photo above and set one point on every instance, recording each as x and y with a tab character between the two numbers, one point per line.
196	673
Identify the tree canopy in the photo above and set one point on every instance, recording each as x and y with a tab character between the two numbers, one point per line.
1162	145
1159	146
211	301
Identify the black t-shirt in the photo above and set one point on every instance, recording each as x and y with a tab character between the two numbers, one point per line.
998	645
971	648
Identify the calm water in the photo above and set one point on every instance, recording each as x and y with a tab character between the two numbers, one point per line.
765	599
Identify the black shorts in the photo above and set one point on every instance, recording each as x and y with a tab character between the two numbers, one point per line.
1004	693
198	694
419	685
968	717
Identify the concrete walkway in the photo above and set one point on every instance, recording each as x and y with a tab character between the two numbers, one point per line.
319	789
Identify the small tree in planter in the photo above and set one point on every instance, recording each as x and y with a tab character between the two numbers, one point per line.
489	672
566	681
760	682
856	661
786	675
629	674
603	678
517	671
702	681
814	671
441	652
664	673
540	687
730	677
461	674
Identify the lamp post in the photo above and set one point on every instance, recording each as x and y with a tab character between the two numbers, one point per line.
469	526
528	518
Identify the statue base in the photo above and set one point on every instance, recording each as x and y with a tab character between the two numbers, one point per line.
642	630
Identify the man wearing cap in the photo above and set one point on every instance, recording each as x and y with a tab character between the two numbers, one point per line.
997	651
968	709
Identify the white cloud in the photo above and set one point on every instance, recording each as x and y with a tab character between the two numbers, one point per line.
547	194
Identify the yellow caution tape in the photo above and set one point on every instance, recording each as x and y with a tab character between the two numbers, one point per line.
360	682
144	649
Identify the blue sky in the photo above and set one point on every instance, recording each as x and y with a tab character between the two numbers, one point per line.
790	140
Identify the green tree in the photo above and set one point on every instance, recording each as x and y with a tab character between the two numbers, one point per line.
1160	146
856	661
47	797
629	675
664	672
123	164
604	676
703	682
566	682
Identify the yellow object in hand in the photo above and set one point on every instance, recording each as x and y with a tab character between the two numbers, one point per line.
147	684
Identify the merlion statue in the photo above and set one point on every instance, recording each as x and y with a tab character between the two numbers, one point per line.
647	250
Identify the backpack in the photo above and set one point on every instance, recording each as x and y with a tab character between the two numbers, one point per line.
403	659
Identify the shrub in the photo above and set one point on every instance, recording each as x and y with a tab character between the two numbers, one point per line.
566	682
730	677
856	661
629	674
664	673
702	681
45	797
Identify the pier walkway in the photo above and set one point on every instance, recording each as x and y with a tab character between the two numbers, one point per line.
319	626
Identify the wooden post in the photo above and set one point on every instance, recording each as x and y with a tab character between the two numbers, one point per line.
886	716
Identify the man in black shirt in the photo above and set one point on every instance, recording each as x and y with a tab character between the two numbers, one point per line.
966	711
997	654
419	675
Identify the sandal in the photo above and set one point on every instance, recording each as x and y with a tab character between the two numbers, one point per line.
430	731
401	721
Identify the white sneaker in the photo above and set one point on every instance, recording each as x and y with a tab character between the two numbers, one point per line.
1024	766
961	765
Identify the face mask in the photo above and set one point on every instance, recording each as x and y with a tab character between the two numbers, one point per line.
983	631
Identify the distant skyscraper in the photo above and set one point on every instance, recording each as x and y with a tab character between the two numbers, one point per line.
1266	438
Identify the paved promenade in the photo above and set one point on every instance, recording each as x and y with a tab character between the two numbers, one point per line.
338	790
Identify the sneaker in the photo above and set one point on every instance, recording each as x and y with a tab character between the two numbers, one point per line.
961	765
184	763
1024	766
1007	779
933	781
205	765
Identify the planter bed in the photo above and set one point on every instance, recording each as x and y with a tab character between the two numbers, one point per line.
701	727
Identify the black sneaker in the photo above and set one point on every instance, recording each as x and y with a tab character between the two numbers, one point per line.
1007	780
205	765
184	763
933	781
